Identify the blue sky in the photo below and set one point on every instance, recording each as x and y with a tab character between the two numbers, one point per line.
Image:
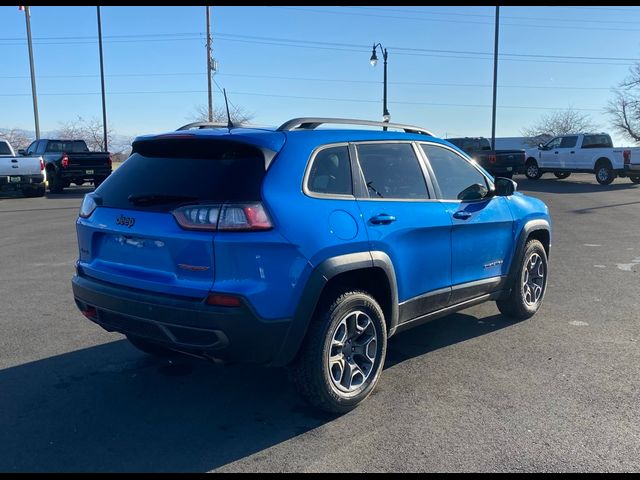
284	62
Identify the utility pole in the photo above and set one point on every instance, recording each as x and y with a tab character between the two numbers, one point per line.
27	16
104	105
495	81
209	64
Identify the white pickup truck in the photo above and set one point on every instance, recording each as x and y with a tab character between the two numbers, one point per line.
21	173
583	153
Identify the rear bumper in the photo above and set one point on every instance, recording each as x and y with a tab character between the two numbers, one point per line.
76	173
227	333
7	183
632	169
499	169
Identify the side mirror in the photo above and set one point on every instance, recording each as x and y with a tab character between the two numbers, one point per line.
22	151
473	192
505	187
540	146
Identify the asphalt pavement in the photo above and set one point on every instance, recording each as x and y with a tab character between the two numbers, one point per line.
468	392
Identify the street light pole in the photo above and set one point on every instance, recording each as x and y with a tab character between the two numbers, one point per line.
104	103
27	16
495	80
374	60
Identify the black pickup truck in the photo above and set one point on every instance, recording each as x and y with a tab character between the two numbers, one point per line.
499	163
70	161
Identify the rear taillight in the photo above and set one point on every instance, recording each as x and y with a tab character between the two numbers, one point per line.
228	217
492	159
626	154
110	161
65	161
198	217
41	165
244	216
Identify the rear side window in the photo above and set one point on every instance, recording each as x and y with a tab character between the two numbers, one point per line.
569	142
161	174
453	173
330	172
391	170
4	149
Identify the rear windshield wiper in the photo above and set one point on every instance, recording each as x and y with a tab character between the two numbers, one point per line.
155	199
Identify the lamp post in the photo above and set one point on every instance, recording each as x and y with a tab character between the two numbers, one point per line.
374	61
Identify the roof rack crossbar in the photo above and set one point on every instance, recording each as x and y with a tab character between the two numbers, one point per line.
311	123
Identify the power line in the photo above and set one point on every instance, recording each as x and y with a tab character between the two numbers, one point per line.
312	79
399	50
517	17
413	18
300	97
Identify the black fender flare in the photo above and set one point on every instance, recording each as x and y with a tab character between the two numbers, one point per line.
314	287
528	228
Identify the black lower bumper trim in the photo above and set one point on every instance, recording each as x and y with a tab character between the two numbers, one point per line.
233	334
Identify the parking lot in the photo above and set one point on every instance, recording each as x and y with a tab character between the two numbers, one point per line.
468	392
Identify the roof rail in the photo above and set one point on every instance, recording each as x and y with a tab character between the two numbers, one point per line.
189	126
311	123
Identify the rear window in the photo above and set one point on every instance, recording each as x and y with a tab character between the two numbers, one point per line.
75	146
162	174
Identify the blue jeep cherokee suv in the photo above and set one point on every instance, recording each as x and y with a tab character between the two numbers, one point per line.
303	247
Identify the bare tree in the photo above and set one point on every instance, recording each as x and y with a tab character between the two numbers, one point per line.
88	130
624	108
16	137
560	122
239	115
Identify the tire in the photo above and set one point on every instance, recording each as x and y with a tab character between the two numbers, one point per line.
635	178
55	185
604	173
531	169
151	348
354	318
562	175
527	294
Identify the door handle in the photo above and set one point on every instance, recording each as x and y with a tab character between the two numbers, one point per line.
572	152
382	219
14	160
555	153
461	215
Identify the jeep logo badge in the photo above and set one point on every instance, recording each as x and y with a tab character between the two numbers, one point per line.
126	221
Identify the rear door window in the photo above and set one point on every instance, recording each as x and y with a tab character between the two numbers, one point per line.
161	174
597	141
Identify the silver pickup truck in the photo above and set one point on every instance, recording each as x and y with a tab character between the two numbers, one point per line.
21	173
